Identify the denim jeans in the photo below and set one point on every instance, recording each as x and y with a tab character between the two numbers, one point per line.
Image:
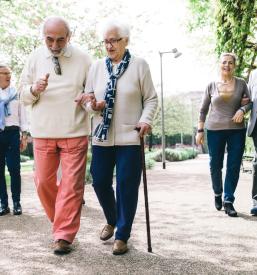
120	211
254	186
10	155
234	141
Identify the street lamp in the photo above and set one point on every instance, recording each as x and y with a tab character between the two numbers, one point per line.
176	54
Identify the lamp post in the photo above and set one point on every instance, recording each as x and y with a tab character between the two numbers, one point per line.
176	54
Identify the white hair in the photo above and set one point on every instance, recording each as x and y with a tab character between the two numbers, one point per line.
56	19
2	65
122	28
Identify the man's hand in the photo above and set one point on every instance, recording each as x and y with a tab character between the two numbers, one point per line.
84	98
245	100
143	128
40	85
23	143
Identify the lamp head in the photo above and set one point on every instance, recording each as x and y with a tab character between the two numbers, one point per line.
177	54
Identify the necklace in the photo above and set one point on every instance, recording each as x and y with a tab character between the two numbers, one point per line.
222	82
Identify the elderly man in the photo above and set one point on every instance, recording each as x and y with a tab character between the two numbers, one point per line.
13	138
53	77
252	132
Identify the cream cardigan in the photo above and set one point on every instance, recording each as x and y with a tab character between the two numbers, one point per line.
135	101
55	114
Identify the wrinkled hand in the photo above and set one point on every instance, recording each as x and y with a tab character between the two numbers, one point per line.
245	100
143	128
238	117
199	138
40	85
84	98
23	143
97	105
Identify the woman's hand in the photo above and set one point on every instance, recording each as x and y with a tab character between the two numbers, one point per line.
199	138
97	105
238	117
84	98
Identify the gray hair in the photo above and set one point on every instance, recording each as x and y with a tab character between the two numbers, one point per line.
122	28
2	65
229	54
57	19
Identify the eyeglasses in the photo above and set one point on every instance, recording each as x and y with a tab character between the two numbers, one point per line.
6	73
112	41
57	67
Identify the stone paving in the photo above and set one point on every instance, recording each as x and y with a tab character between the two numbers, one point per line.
188	235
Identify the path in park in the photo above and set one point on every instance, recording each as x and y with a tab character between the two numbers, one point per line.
188	235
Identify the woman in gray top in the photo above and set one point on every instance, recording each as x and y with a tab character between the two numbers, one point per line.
225	129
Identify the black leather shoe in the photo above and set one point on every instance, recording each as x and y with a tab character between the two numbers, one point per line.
17	210
254	211
218	202
4	210
229	209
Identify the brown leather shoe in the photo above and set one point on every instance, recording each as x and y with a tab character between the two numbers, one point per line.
62	247
107	232
119	247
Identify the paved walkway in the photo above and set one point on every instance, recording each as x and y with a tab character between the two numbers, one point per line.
188	235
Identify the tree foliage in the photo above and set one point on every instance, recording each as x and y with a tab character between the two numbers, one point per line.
233	22
177	117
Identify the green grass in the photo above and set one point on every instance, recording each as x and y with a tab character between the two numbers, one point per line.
25	167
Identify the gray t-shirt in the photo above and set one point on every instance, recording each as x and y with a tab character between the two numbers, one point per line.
223	109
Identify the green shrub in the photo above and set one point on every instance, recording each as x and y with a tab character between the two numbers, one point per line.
24	158
149	161
177	154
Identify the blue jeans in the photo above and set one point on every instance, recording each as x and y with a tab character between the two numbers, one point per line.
10	155
120	211
217	142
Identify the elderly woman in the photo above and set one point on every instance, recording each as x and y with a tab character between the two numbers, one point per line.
225	129
123	98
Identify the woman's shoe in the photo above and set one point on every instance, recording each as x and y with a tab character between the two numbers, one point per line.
229	209
218	202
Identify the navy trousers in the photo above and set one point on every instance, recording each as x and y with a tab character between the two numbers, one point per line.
119	211
10	155
218	140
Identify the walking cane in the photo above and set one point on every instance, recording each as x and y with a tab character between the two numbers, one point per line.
146	195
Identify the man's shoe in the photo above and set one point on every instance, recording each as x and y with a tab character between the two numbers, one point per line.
4	210
254	211
218	202
62	247
119	247
107	232
17	210
229	209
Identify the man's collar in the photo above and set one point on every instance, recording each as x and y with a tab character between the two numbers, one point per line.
67	52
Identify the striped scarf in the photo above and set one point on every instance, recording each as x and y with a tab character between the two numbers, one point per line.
102	129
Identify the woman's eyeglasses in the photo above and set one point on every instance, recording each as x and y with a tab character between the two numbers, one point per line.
112	41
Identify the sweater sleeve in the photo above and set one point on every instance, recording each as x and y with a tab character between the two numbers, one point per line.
25	83
246	92
149	98
206	101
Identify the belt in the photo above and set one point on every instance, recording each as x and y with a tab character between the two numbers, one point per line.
10	128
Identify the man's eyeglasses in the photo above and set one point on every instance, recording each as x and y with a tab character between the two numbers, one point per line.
112	41
6	73
57	67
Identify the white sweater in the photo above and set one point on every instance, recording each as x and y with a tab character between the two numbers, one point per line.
135	100
55	114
